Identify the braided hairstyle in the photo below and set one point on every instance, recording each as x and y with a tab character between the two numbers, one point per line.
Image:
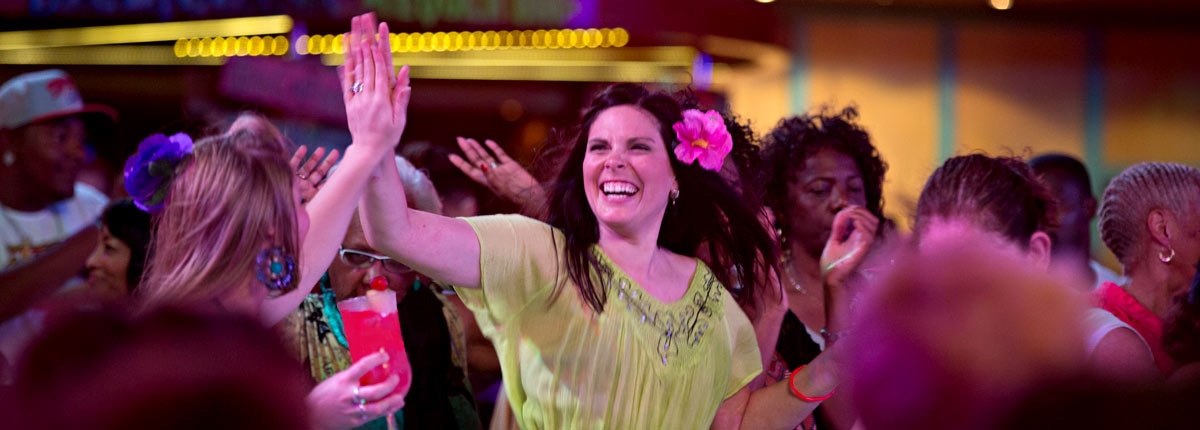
1133	194
1000	194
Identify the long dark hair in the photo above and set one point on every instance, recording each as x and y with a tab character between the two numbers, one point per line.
708	211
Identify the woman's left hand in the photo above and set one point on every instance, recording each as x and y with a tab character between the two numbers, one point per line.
312	173
376	98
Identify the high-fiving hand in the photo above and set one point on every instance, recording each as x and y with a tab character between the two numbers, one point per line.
376	98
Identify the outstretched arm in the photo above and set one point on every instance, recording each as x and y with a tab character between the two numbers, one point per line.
440	247
376	110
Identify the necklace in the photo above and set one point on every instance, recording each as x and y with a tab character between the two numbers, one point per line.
791	273
25	250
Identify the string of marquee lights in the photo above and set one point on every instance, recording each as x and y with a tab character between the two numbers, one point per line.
324	44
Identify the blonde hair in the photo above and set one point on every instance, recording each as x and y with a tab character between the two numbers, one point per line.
1133	194
231	198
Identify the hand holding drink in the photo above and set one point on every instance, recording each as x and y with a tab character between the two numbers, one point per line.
373	325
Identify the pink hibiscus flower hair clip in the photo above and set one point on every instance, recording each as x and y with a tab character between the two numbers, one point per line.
702	136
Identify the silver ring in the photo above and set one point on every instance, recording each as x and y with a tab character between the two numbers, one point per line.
362	410
302	176
357	399
493	164
356	87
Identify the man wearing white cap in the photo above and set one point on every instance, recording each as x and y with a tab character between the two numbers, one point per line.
47	220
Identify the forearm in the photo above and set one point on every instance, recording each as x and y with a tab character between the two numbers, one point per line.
329	215
383	209
532	201
28	283
776	407
766	330
445	249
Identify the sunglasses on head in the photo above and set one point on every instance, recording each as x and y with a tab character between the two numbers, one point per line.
362	260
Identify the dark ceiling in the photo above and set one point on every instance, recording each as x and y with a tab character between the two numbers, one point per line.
1183	14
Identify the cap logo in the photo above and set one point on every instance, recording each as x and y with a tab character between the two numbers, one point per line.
57	88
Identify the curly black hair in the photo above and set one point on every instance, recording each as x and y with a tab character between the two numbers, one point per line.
796	139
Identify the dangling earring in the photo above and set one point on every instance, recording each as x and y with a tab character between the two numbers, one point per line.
674	196
275	269
1168	258
9	158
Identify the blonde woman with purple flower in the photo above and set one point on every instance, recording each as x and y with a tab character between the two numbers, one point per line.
231	234
602	316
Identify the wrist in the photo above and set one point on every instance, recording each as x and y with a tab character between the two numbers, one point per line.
801	394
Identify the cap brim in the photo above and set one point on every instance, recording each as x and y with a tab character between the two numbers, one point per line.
97	111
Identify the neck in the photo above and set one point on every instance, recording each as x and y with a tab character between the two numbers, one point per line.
24	198
1151	287
1076	261
634	255
804	270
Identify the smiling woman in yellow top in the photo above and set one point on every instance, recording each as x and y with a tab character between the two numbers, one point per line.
604	317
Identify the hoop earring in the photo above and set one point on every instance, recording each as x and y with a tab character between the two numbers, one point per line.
1168	258
674	196
275	269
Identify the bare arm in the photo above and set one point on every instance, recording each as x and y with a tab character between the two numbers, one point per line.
29	282
443	248
377	116
1123	354
775	407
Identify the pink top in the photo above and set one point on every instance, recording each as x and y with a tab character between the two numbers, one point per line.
1111	297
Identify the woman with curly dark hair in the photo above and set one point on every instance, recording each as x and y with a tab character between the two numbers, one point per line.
824	185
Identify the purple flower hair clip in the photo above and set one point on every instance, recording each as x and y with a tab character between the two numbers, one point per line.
702	136
148	173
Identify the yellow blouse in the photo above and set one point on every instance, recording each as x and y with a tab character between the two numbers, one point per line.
641	364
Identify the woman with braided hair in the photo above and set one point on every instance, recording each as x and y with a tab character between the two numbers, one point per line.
1150	219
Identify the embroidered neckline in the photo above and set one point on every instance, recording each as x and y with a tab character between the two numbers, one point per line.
683	322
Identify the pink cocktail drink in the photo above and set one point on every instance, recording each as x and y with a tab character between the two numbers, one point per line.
372	324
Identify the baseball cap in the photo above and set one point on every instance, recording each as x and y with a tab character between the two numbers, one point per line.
44	95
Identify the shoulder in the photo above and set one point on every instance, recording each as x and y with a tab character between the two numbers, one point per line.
510	222
504	233
89	196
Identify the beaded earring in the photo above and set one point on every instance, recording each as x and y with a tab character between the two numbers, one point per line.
275	269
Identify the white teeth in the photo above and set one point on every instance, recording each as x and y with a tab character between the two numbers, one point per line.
618	188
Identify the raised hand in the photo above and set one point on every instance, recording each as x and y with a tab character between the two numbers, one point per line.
495	170
376	98
312	173
853	233
341	403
